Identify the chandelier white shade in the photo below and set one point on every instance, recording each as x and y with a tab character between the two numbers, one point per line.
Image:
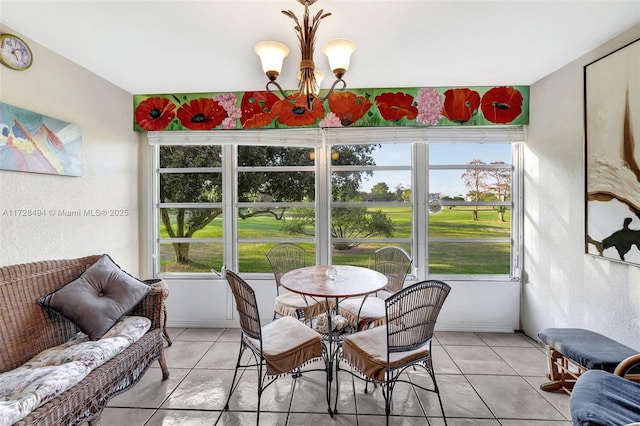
339	52
272	55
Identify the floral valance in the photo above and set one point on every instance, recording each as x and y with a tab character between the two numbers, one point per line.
420	106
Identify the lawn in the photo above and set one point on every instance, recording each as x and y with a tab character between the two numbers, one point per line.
444	257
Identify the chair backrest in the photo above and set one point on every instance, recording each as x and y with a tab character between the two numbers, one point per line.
246	305
285	257
412	313
394	263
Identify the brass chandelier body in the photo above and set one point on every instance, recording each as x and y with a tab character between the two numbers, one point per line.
338	51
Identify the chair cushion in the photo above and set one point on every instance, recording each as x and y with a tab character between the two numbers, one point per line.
287	344
367	352
373	310
604	399
587	348
97	299
287	304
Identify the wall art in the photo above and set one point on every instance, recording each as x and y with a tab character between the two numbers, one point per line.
33	142
612	131
418	106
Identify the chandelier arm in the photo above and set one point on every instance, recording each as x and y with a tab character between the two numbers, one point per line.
281	90
333	87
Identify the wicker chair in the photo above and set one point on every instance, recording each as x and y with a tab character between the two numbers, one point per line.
283	258
283	346
394	263
382	354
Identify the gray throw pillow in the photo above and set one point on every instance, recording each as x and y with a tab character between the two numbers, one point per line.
97	299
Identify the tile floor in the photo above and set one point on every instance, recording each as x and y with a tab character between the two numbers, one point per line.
486	379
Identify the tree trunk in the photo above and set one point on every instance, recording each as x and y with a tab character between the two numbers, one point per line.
475	215
182	253
501	216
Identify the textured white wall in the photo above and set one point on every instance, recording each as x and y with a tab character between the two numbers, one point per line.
59	88
562	286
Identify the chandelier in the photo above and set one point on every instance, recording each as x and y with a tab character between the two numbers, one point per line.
338	51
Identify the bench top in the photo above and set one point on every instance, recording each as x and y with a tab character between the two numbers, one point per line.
588	348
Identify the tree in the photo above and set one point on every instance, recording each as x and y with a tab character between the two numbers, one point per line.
253	186
406	195
188	188
475	179
380	192
501	185
346	222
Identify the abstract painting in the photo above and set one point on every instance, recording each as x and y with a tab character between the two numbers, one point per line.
612	128
32	142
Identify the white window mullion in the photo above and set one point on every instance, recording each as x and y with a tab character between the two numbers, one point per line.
420	200
323	204
229	212
517	218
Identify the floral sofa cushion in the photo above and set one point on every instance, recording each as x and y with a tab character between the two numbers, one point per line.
55	370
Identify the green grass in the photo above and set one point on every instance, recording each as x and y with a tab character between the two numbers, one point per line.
444	258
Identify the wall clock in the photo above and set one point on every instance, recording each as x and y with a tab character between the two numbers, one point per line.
14	52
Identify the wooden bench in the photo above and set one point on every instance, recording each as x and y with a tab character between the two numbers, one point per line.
572	351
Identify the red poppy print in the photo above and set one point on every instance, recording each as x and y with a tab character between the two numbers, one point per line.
394	106
460	104
296	113
501	104
257	109
348	106
155	113
201	114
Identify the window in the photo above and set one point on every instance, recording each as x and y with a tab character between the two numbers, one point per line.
189	213
470	203
224	203
276	190
371	204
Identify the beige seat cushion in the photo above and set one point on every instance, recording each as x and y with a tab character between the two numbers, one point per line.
373	310
367	352
287	344
288	303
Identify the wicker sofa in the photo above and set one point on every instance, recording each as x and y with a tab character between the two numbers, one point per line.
26	329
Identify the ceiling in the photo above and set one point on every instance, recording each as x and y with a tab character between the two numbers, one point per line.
182	46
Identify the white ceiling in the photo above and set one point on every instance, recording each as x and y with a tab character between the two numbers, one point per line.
182	46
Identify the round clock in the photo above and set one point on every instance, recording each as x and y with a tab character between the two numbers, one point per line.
14	52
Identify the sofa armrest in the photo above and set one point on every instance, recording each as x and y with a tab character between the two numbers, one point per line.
152	307
627	364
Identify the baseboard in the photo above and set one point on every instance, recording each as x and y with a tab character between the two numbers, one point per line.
479	328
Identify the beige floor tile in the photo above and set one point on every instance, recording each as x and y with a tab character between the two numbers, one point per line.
184	354
230	418
534	423
457	338
507	339
223	354
560	400
303	419
525	361
182	418
442	362
478	360
199	335
459	398
125	416
201	390
463	422
512	397
151	391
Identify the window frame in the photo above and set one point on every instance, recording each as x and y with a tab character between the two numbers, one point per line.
322	140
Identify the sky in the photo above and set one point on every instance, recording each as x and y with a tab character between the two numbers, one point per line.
446	182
